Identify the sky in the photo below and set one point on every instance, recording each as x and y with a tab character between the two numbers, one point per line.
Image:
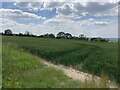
93	19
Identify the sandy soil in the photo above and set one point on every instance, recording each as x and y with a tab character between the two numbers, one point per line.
77	75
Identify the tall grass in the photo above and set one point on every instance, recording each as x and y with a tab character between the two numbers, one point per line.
23	70
91	57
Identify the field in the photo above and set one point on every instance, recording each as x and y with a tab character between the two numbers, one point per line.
24	70
90	57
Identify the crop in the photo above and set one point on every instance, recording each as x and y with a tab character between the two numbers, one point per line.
91	57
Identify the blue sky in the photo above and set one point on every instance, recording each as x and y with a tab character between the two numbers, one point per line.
94	19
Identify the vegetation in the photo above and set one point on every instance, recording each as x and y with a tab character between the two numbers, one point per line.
91	57
99	39
60	35
8	32
49	35
23	70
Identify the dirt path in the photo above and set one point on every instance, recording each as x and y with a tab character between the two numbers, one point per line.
77	75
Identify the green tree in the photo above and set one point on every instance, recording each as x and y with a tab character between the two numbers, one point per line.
51	35
27	33
68	35
82	37
61	35
8	32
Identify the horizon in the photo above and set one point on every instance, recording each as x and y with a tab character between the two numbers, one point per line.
108	38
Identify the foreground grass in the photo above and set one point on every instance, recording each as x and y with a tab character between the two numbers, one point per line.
23	70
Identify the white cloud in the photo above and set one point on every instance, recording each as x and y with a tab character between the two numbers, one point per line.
19	15
30	5
55	25
51	5
90	27
38	5
66	8
90	19
101	23
17	27
95	8
60	22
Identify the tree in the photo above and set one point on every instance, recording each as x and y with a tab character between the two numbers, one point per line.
20	34
74	37
51	35
46	35
64	35
8	32
99	39
27	33
61	35
82	37
41	36
68	36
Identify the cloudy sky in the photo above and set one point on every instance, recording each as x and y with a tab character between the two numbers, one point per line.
89	18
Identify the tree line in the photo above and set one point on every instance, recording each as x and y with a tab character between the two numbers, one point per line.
60	35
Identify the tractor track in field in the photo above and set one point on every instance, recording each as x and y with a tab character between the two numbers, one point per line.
78	75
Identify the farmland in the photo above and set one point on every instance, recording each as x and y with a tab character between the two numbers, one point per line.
23	70
90	57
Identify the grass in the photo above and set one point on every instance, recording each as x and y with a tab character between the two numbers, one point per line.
22	69
91	57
